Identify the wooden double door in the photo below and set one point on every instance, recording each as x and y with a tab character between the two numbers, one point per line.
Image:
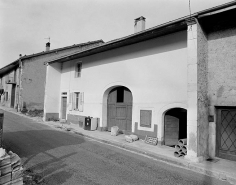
175	126
119	110
171	130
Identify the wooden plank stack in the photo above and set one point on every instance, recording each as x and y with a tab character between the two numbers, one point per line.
11	171
181	148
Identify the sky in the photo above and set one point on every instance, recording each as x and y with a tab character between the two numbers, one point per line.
25	24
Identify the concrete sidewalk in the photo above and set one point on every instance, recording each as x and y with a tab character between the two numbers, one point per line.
218	168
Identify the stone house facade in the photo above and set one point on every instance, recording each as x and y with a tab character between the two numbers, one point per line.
23	81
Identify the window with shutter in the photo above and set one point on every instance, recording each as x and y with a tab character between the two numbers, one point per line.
77	101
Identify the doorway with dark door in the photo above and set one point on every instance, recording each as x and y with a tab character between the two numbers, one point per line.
63	107
226	133
119	110
13	93
175	126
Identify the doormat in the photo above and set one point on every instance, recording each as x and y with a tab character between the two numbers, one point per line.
151	140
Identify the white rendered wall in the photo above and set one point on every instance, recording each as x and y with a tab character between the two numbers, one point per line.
155	71
52	89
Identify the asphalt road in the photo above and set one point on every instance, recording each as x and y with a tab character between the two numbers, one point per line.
65	158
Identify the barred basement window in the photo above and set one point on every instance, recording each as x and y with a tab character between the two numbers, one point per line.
145	118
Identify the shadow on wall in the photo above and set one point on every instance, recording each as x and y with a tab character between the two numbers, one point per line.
181	114
221	25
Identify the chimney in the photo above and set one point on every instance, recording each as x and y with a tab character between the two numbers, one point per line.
47	46
139	24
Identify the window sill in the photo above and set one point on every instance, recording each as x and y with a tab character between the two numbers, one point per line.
146	126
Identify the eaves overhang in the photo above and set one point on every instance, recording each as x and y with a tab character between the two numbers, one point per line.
218	9
10	67
63	48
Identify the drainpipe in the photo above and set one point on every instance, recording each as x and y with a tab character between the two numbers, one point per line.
19	88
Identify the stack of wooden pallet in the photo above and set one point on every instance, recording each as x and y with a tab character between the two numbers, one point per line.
181	148
11	171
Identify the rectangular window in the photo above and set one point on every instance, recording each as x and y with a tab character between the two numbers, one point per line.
78	67
120	95
77	100
145	118
6	96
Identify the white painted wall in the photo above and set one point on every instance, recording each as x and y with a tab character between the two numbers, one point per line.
52	89
155	71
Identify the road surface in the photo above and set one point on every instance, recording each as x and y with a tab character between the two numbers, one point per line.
64	158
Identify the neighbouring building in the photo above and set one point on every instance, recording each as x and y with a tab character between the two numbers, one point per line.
176	80
22	83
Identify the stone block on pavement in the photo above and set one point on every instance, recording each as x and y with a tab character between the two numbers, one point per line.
114	131
17	173
18	181
6	178
5	169
128	139
134	137
14	158
2	152
5	160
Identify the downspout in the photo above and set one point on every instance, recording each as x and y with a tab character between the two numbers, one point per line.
19	88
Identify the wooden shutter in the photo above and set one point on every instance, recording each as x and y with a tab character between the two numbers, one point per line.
70	101
81	102
73	100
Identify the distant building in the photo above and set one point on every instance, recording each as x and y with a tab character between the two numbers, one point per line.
23	81
176	80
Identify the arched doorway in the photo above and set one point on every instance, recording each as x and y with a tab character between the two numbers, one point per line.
175	126
119	109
